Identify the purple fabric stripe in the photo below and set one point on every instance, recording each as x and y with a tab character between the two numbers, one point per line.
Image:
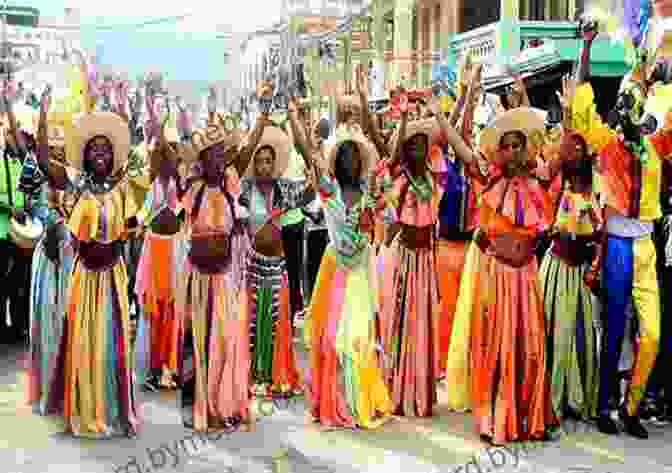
520	214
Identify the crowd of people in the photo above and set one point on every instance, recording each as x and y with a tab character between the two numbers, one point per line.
511	262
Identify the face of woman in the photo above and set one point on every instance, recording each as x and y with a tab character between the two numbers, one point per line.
264	163
100	154
214	159
513	148
514	99
57	153
415	151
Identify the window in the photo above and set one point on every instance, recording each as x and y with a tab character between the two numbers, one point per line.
547	10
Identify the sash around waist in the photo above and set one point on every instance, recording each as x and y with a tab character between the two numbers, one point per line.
416	238
96	256
574	252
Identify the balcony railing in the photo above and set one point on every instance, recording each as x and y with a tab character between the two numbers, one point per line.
608	58
484	44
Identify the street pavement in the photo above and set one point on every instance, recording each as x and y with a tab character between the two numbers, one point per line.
284	442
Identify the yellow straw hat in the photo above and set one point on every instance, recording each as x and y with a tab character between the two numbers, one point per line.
107	124
278	140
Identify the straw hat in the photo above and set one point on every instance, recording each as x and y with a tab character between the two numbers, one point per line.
429	127
282	146
204	138
528	120
367	151
107	124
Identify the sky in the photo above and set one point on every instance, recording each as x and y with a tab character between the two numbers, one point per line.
207	15
186	50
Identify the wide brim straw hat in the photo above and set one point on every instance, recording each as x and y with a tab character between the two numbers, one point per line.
107	124
527	120
278	140
192	151
367	151
429	127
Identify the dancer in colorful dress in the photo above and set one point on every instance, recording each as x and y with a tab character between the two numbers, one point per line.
568	302
347	385
267	197
411	309
506	367
52	265
214	367
94	385
161	263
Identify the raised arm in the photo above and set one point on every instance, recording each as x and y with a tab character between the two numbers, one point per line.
473	95
16	137
368	123
302	141
55	172
265	93
578	100
462	150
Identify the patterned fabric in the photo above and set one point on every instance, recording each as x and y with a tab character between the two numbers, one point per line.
405	202
632	188
15	169
159	198
287	194
271	346
48	306
215	358
98	394
572	336
499	323
347	382
578	214
343	223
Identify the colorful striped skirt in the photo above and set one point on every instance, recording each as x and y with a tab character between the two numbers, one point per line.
99	400
161	264
273	361
48	304
572	338
214	363
450	258
410	315
509	385
347	388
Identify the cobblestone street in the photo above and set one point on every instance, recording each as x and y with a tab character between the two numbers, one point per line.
284	443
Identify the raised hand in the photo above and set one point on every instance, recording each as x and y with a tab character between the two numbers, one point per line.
45	100
264	89
568	91
475	84
588	29
360	81
434	106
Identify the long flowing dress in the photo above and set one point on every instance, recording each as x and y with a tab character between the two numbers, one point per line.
506	361
346	380
568	304
273	363
161	264
410	310
96	386
214	365
48	305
